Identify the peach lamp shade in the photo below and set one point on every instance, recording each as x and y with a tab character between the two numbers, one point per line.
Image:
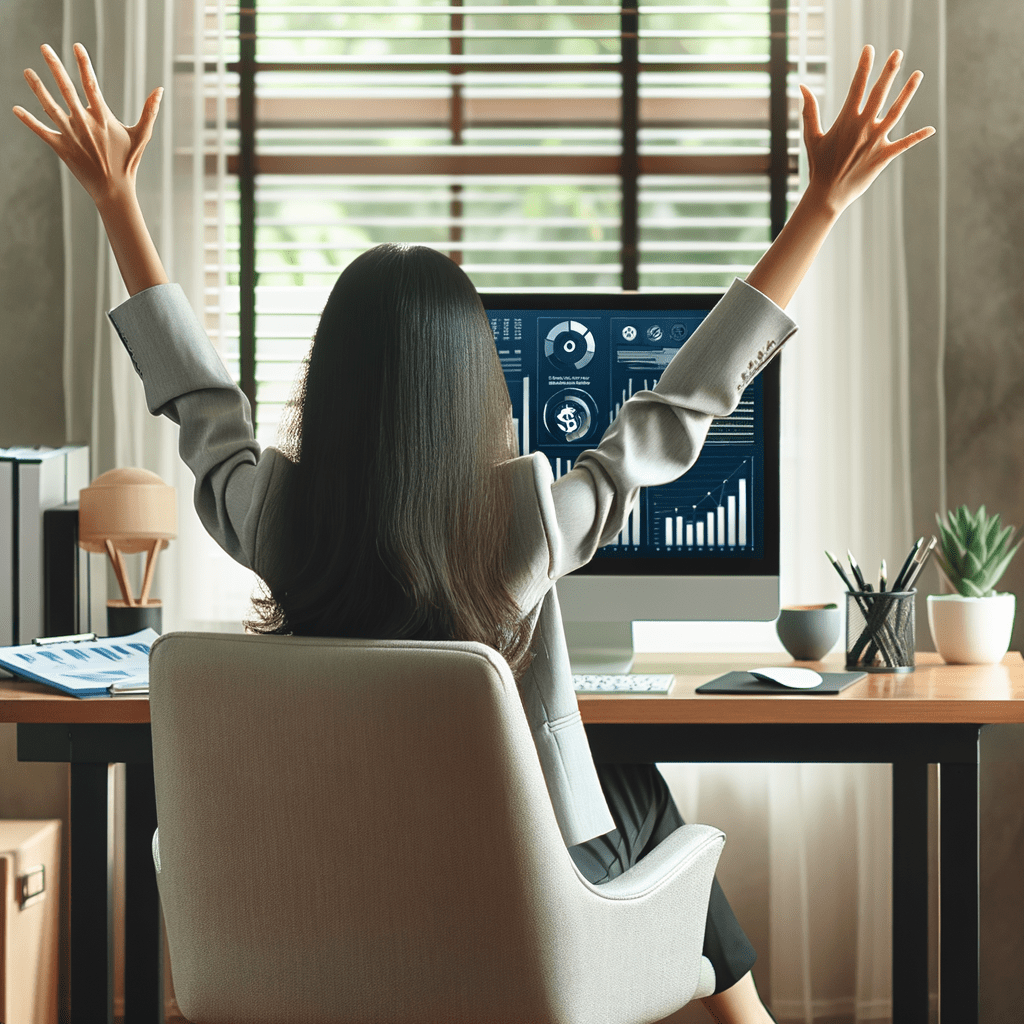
124	511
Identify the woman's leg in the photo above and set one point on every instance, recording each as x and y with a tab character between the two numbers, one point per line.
739	1004
645	814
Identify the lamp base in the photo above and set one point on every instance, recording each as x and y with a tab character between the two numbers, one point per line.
124	619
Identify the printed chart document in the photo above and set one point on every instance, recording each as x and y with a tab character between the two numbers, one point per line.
116	664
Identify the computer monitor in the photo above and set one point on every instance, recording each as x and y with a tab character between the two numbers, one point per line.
704	547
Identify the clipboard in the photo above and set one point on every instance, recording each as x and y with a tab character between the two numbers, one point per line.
83	667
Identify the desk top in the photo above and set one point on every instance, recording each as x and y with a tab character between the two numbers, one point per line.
934	692
33	702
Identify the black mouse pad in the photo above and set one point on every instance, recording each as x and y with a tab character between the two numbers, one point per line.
744	682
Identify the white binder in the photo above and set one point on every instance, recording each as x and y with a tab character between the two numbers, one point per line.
7	542
31	481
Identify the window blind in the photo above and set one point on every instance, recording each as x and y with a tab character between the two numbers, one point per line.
541	145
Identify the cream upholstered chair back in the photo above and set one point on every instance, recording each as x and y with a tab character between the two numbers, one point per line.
359	831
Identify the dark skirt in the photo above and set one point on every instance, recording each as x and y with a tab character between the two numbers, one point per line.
645	814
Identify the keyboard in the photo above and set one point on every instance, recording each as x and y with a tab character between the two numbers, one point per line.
635	683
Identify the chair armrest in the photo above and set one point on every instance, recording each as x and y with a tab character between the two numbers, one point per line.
665	862
635	941
707	981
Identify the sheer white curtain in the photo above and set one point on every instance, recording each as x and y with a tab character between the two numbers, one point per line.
846	415
130	49
137	45
209	590
808	862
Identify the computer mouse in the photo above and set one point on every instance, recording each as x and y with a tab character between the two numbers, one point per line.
795	678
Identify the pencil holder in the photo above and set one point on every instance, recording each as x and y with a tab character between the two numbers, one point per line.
880	631
124	619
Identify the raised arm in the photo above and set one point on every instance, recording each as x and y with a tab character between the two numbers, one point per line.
183	376
104	156
843	162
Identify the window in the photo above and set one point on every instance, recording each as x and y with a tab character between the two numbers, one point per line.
585	146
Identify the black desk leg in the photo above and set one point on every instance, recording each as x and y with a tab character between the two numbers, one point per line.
910	893
143	923
959	894
92	953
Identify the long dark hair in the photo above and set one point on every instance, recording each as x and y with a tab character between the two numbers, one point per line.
397	521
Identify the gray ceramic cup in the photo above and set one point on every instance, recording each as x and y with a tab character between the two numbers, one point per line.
810	631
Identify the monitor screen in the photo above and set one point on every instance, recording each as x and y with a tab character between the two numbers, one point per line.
570	362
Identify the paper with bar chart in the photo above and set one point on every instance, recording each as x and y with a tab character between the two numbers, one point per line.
570	372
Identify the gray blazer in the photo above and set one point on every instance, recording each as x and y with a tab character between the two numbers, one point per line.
559	524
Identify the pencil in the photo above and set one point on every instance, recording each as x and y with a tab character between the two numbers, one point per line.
866	587
839	569
920	559
901	575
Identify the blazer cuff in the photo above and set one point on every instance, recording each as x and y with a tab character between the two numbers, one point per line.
167	345
737	339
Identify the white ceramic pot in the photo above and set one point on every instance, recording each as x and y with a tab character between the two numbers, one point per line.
971	630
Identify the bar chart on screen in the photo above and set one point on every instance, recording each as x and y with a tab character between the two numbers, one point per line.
631	534
706	512
521	423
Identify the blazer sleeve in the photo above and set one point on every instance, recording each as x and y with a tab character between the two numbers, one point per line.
658	434
186	381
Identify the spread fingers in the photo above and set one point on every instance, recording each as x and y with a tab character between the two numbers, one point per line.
855	96
880	92
48	135
902	101
902	145
53	110
60	75
88	76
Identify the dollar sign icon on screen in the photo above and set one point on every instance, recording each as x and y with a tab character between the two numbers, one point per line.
569	414
568	420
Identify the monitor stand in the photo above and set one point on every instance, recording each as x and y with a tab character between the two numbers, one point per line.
600	648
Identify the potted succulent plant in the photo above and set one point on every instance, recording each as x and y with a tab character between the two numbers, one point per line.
972	625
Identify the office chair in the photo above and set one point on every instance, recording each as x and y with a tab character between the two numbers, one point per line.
359	831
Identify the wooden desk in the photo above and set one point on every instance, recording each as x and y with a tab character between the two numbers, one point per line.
953	716
92	734
933	693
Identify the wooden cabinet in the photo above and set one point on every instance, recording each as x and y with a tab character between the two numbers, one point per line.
29	911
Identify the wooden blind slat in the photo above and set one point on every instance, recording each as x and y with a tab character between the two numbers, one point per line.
482	114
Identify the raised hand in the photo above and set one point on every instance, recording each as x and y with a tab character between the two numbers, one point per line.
845	160
103	155
101	152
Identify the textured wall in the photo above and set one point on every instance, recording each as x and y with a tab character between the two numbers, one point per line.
983	276
985	401
984	376
985	346
31	241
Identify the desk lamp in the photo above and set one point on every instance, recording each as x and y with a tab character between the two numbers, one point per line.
124	512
